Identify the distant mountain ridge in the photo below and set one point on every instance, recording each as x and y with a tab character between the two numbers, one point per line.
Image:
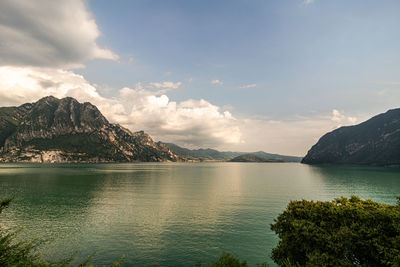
261	156
215	155
202	154
64	130
373	142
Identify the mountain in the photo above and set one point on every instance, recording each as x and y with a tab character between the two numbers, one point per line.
215	155
261	156
253	158
373	142
64	130
202	154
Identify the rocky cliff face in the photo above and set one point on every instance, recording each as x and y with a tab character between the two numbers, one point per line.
64	130
373	142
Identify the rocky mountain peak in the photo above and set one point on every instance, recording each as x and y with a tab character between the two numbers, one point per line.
79	132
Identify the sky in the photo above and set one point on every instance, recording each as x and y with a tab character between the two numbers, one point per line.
233	75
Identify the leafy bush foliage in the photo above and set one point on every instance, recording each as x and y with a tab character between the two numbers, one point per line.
227	260
342	232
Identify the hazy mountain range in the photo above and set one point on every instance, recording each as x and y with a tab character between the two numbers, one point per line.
215	155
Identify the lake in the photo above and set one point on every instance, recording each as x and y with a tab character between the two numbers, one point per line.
175	213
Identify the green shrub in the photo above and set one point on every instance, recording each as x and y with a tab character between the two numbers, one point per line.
227	260
343	232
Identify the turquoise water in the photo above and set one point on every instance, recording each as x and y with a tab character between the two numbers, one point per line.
176	213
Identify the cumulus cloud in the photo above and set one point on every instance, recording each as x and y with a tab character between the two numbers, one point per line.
248	86
191	122
341	119
48	33
217	82
19	85
308	2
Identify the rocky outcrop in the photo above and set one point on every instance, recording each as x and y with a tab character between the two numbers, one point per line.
373	142
64	130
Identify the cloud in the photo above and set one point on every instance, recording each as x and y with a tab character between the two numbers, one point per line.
19	85
48	33
166	85
290	136
341	119
217	82
390	83
191	122
307	2
388	89
248	85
